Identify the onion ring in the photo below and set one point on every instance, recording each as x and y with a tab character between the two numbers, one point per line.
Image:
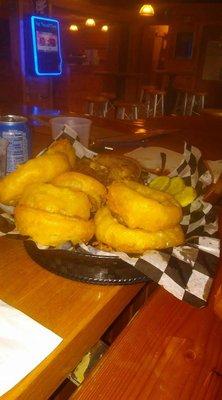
65	147
44	196
95	190
41	169
110	232
141	207
52	229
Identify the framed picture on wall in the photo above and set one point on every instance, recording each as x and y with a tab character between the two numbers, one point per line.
184	45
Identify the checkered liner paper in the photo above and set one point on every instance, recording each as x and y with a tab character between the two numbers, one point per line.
185	271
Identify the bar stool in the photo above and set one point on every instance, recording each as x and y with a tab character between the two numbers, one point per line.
143	92
197	100
111	96
180	106
154	102
189	102
126	109
97	105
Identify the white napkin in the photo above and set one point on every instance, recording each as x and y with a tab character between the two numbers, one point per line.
24	343
216	168
82	151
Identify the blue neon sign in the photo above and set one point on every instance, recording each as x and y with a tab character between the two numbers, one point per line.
45	35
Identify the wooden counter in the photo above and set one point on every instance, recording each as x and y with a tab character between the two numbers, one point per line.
169	351
80	313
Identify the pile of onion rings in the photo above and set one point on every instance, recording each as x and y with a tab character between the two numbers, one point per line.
54	203
138	218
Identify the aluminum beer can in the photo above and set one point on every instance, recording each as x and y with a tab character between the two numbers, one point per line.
15	130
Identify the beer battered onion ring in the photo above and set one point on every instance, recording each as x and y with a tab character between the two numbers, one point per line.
139	206
63	146
52	229
110	232
95	190
41	169
45	196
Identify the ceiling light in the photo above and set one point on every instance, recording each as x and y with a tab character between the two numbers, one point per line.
90	22
147	10
73	28
105	28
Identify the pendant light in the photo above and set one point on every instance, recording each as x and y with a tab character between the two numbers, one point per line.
90	22
73	28
105	28
147	10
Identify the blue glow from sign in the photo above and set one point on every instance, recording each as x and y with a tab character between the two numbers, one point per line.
55	22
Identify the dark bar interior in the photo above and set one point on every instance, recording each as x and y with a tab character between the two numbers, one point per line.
110	200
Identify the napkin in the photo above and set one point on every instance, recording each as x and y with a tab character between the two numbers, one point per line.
24	343
216	168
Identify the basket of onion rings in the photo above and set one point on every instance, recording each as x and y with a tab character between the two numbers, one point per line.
98	219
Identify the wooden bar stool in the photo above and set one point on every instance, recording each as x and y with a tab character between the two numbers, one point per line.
143	92
96	105
189	102
154	102
111	96
180	106
126	109
158	101
197	100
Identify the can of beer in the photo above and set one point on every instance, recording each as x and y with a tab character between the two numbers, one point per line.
15	130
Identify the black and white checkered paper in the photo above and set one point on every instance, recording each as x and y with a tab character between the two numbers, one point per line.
185	271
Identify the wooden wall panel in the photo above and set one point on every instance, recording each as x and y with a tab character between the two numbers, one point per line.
10	74
212	32
188	72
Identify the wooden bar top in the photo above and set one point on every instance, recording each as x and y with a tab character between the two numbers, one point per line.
80	313
169	351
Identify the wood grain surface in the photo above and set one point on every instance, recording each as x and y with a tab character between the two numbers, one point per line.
80	313
169	351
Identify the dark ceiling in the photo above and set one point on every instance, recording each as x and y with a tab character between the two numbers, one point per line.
112	8
136	3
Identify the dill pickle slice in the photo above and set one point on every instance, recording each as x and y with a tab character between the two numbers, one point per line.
186	196
160	183
176	185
